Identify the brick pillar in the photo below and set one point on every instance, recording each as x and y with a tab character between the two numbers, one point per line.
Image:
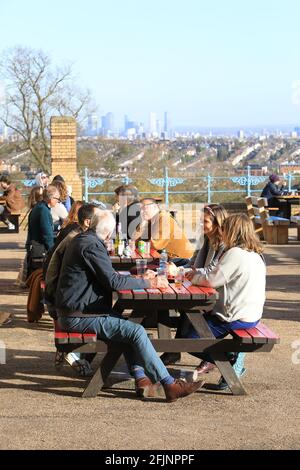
64	152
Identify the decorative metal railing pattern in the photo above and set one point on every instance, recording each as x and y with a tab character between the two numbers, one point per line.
204	186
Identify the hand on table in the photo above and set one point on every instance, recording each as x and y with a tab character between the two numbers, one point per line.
149	274
190	274
158	281
172	269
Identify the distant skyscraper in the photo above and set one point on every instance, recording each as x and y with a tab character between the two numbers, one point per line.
152	124
107	124
92	124
166	122
241	135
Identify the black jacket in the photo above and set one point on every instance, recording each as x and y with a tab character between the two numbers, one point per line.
271	190
87	278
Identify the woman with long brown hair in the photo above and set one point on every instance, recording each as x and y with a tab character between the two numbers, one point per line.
202	262
240	277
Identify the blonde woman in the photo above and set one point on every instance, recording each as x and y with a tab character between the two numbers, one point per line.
240	277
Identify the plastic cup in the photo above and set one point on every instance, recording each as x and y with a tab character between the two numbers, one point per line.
147	248
141	267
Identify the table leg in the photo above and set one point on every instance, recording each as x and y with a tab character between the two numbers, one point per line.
106	366
220	359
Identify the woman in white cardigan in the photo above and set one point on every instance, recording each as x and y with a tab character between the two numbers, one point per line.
240	277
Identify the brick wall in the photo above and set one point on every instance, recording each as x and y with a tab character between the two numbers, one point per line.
64	152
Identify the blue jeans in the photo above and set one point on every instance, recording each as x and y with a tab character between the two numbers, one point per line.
138	350
219	329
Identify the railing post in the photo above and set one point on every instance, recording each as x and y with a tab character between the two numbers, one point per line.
290	182
208	189
166	187
248	180
86	184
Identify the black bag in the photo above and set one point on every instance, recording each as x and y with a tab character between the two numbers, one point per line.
37	254
37	250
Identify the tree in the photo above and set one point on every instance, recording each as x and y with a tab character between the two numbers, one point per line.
35	91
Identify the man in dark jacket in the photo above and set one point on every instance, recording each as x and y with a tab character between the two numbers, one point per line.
84	304
270	191
13	198
127	209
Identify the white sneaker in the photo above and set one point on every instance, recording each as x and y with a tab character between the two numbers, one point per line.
11	226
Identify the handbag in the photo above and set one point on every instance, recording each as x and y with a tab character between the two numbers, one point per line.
37	250
37	255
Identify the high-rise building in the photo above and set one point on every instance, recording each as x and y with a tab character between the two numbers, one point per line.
152	124
241	135
92	124
167	124
107	124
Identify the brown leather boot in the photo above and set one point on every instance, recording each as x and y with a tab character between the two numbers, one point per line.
180	388
145	388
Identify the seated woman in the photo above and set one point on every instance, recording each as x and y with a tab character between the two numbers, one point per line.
202	261
240	277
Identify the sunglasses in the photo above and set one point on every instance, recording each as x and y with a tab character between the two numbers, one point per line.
210	211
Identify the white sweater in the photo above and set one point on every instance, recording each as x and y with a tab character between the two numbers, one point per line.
243	277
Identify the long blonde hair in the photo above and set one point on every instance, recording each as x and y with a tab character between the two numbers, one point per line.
217	214
238	231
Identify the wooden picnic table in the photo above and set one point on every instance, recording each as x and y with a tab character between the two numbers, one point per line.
125	263
193	300
290	200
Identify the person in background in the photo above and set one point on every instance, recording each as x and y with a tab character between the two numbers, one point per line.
241	273
203	261
66	200
274	188
13	201
40	225
59	213
35	196
127	209
42	180
70	224
162	230
84	304
67	189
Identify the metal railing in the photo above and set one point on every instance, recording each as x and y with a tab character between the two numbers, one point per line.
204	187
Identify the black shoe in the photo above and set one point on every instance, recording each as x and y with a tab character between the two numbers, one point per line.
170	358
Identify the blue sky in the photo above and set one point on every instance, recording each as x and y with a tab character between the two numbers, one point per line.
222	63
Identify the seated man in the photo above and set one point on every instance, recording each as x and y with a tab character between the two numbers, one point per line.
271	191
13	201
84	304
163	231
127	209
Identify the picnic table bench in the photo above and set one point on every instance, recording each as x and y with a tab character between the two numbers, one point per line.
191	299
273	228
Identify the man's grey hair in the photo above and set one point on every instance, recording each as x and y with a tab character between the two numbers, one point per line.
50	192
103	222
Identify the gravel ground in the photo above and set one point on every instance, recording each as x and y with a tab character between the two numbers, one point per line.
42	409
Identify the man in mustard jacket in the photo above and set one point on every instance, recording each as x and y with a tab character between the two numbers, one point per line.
162	230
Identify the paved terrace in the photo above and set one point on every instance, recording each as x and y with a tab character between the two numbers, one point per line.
42	409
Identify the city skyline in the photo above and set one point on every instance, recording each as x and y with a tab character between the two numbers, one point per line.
220	65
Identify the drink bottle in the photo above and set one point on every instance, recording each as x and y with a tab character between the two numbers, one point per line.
163	262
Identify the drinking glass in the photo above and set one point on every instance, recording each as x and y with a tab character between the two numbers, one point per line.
141	267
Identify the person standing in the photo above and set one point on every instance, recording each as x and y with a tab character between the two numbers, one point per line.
40	236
